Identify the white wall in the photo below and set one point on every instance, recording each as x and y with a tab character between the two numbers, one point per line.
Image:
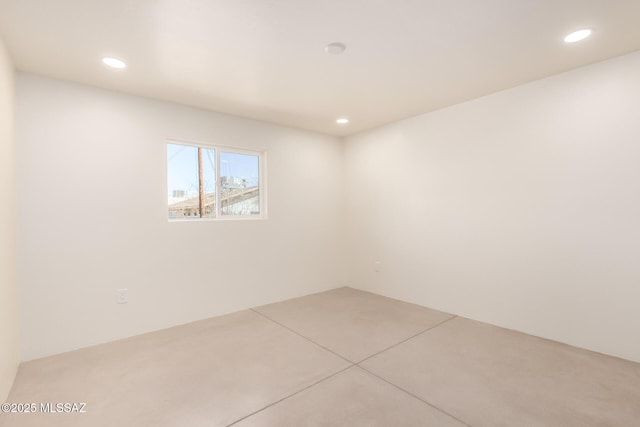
521	209
92	218
9	345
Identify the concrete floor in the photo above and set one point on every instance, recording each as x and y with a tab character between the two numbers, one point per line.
339	358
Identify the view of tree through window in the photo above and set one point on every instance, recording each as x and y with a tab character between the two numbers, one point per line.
195	173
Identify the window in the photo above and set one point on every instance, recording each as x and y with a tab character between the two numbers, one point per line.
213	182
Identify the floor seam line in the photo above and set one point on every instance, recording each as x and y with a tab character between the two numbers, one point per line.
306	338
292	394
413	395
407	339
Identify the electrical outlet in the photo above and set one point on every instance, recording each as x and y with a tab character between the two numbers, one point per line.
378	266
123	296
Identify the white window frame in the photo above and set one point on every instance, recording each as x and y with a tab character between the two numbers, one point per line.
262	182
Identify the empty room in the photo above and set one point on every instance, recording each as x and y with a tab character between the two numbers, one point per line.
319	213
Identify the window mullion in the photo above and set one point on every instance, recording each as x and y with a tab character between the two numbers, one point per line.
201	199
218	183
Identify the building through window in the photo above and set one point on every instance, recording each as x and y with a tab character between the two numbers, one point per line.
213	182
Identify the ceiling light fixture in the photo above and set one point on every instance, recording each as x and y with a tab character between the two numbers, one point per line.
576	36
335	48
113	62
342	121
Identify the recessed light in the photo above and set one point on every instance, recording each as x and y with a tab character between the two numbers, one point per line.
113	62
576	36
342	121
335	48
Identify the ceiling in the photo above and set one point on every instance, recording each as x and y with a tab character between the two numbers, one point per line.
265	59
